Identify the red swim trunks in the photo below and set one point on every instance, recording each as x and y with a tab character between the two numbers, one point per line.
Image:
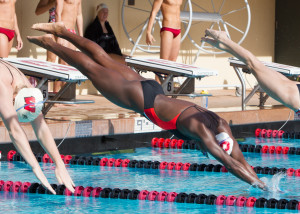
9	33
175	32
72	31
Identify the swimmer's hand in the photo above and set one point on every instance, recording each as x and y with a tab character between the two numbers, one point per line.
40	175
19	45
150	39
63	177
216	38
261	185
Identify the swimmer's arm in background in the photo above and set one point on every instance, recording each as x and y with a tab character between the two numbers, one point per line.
59	8
232	165
46	140
44	6
79	20
155	8
17	134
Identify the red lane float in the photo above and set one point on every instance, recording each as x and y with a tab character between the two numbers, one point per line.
96	192
25	186
110	162
265	149
103	161
67	192
46	159
230	200
290	171
152	195
220	200
143	195
167	143
78	190
268	133
171	166
87	191
118	162
179	144
160	142
250	202
178	166
240	201
10	155
7	185
173	143
125	163
67	159
163	165
154	142
162	196
171	197
186	166
16	186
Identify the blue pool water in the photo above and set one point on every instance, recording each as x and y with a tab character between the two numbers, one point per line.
151	179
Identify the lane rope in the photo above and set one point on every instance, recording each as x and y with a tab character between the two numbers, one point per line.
111	162
117	193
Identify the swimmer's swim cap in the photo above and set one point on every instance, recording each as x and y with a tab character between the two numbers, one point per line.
28	104
225	142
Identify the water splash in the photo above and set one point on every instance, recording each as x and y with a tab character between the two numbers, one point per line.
273	184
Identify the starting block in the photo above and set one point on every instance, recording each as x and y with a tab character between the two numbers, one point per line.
170	69
46	71
239	66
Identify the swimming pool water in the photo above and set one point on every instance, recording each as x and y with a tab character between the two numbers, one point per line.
150	179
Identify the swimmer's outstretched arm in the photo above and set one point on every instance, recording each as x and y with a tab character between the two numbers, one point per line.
17	134
232	165
46	140
279	87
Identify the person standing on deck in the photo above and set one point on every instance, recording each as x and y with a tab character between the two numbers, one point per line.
8	27
170	33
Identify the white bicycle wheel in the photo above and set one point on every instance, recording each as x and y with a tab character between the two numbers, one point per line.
231	16
135	19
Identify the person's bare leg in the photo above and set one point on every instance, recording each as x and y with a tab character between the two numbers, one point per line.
110	83
4	44
89	48
278	87
175	48
10	44
166	42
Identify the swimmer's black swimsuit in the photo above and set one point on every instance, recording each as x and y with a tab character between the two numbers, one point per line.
151	89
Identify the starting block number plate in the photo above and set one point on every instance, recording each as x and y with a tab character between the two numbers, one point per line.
142	125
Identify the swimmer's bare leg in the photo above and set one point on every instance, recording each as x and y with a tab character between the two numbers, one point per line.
278	87
111	84
89	47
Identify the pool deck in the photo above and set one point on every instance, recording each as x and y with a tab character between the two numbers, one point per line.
104	118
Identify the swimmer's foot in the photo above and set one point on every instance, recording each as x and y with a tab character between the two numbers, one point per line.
56	28
218	39
42	41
